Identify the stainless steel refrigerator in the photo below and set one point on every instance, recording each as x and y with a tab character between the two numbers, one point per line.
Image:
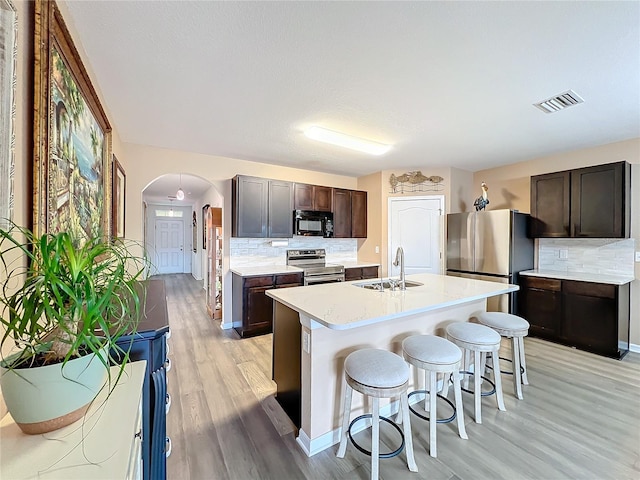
490	245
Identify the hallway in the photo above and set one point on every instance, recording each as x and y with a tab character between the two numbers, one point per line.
579	417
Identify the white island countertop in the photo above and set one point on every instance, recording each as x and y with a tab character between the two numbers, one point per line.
341	306
580	276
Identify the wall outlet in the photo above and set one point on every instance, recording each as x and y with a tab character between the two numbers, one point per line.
638	257
563	254
306	342
378	250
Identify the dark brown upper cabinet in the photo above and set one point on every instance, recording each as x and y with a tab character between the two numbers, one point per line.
313	197
590	202
261	208
349	213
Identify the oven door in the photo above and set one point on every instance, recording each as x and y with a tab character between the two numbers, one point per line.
320	279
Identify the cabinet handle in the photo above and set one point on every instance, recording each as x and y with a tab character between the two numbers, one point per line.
167	448
168	403
167	365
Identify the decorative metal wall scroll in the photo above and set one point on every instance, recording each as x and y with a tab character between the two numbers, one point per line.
412	182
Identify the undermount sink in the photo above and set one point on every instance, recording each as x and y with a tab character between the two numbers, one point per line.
387	283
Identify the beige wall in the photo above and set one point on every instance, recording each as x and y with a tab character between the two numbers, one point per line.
509	187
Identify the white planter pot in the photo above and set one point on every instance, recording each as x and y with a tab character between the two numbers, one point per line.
46	398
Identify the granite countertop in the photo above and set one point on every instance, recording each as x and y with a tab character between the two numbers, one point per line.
580	276
342	306
356	264
264	270
251	271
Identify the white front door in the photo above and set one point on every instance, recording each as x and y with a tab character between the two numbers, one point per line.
169	246
417	225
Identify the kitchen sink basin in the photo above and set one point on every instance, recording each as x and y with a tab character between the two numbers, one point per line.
387	284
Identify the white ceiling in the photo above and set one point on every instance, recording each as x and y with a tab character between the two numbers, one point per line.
447	83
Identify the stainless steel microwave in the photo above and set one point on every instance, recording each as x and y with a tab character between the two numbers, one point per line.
311	223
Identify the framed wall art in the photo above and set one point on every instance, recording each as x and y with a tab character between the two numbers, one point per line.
205	211
8	59
119	187
72	136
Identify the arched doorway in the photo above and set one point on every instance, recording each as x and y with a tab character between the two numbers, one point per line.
175	230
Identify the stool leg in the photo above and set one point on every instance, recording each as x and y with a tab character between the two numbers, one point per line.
498	379
523	363
459	407
427	386
467	364
515	361
433	420
408	438
483	365
477	393
375	438
346	410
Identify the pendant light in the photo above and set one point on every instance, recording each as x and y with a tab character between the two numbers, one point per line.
180	192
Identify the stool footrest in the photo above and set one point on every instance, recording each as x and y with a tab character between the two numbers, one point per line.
483	394
439	420
490	367
392	454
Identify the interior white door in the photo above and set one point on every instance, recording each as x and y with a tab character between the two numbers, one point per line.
416	224
170	246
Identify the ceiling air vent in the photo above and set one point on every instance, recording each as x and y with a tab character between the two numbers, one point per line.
559	102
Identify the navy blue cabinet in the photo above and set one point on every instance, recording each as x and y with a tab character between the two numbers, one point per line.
150	344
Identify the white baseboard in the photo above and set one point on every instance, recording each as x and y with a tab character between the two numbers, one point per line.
632	347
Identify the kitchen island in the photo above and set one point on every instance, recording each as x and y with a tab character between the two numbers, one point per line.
316	327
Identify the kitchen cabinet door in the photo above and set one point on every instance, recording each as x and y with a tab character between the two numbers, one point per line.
341	213
322	198
280	217
600	198
312	197
540	303
358	214
250	207
550	205
303	196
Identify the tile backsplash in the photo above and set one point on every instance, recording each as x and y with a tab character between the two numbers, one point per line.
258	252
608	256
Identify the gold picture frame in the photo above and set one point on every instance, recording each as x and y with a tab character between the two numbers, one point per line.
119	187
72	136
8	61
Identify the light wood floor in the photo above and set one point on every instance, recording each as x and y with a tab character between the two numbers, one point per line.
580	417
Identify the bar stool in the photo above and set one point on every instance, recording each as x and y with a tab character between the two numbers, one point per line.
479	339
436	355
377	374
515	328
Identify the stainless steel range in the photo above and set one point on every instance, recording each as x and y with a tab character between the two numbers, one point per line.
314	265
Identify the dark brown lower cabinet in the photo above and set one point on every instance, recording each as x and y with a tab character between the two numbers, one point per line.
586	315
252	308
360	273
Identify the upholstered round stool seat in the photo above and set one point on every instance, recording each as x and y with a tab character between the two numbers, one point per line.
431	349
479	339
473	333
505	324
436	355
377	374
376	368
516	328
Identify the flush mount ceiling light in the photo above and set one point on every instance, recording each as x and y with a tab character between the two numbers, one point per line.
346	141
180	192
559	102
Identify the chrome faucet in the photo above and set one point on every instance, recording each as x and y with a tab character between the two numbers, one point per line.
400	261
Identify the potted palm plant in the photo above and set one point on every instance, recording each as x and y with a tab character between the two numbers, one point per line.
63	307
